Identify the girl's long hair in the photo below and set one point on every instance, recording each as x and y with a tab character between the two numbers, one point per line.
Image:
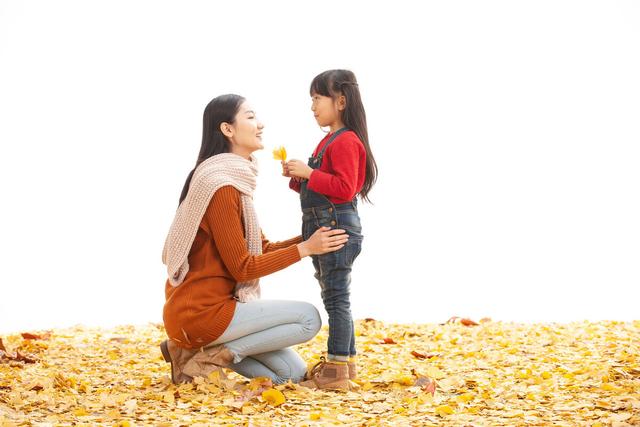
334	83
221	109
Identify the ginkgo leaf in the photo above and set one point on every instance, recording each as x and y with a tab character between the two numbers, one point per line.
280	153
500	373
273	397
444	410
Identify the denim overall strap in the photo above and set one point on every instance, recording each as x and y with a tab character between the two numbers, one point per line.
309	198
320	155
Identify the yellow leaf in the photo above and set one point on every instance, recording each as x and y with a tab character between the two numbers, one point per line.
280	153
444	410
315	416
113	413
367	386
465	397
248	410
404	379
273	397
168	397
609	387
435	373
546	375
80	412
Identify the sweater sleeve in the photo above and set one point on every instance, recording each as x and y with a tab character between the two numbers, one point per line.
225	222
344	162
294	185
268	246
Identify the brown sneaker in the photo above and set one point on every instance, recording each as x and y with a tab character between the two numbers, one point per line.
329	375
206	360
177	357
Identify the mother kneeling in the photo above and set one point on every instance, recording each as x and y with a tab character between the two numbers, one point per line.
215	253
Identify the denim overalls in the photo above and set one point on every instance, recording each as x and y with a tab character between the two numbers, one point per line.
333	270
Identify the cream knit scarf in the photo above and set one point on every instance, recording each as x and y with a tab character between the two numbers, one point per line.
212	174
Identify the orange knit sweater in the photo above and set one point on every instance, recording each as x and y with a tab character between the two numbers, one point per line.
198	311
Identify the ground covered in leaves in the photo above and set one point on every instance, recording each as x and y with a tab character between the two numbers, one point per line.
487	374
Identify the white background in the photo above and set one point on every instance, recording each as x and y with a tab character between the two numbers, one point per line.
507	136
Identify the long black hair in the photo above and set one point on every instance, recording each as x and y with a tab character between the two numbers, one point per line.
221	109
334	83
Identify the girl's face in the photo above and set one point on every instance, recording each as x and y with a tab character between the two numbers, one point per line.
327	110
245	133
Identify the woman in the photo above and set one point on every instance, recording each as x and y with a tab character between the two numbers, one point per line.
215	253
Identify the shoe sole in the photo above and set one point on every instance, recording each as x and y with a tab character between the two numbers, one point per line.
337	385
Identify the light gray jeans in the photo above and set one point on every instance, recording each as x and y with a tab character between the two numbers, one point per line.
260	333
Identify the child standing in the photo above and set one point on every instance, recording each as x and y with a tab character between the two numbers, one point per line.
341	168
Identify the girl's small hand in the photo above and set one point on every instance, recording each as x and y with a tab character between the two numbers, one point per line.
285	172
299	169
285	169
323	241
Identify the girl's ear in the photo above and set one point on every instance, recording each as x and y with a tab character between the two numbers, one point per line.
342	103
226	129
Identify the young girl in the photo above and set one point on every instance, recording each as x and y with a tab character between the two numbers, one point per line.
341	168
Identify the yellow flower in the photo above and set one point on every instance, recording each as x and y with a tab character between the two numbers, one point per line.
273	397
280	153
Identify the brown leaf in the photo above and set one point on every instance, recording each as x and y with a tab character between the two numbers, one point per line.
369	319
23	358
37	387
427	384
388	341
31	336
422	356
2	347
465	321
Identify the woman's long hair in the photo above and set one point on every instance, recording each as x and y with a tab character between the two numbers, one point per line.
334	83
221	109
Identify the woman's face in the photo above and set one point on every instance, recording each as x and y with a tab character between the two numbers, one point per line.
245	133
325	109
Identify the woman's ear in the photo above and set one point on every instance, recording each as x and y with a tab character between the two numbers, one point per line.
226	129
342	103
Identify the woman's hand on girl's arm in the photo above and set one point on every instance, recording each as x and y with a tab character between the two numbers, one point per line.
323	241
297	168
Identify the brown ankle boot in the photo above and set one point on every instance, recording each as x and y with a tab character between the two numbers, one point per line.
177	357
353	369
328	375
206	360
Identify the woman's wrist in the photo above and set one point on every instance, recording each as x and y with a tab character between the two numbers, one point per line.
302	249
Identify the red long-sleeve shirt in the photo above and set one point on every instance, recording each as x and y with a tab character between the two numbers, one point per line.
341	174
